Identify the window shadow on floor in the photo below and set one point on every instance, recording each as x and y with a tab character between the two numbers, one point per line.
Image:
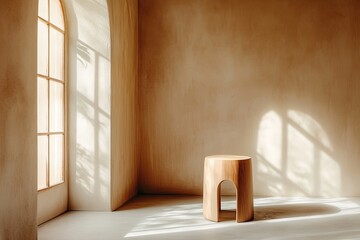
283	211
293	210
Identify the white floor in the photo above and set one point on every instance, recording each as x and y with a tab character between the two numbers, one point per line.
180	217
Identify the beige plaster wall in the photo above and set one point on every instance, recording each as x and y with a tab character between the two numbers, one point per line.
89	120
18	143
52	202
99	178
124	78
276	80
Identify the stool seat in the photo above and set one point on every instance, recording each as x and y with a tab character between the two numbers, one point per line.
233	168
227	157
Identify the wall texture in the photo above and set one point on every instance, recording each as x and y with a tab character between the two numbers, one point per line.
102	112
124	78
276	80
18	164
89	104
52	202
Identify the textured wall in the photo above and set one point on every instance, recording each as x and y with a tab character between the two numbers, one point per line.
102	123
52	202
89	104
124	72
276	80
18	24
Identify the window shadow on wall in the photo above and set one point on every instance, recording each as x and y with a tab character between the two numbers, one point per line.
93	123
294	156
89	103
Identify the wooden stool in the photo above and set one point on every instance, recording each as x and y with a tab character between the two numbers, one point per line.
236	169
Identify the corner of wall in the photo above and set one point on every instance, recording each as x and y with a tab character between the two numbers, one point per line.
18	141
124	72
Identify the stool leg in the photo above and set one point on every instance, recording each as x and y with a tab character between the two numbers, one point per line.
244	195
211	199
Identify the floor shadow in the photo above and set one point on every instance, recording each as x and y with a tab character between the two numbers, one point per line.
227	215
293	210
283	211
142	201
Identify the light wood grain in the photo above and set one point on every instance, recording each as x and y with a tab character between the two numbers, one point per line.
124	72
236	169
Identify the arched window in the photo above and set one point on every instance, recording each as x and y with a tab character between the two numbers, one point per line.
51	94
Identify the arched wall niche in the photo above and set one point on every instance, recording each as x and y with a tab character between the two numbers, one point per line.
102	75
89	92
87	179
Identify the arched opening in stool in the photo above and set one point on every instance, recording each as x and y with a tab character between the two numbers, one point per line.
227	201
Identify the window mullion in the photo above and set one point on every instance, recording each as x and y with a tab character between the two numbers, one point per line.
48	82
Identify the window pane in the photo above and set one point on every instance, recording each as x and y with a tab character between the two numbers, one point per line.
42	161
42	105
56	14
43	9
42	48
56	54
56	159
56	107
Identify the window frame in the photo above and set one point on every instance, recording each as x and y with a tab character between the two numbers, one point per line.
64	83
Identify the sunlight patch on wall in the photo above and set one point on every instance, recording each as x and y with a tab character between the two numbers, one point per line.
269	145
299	160
271	130
93	122
89	102
294	157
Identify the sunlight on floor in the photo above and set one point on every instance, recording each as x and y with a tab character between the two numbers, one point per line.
180	217
184	218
